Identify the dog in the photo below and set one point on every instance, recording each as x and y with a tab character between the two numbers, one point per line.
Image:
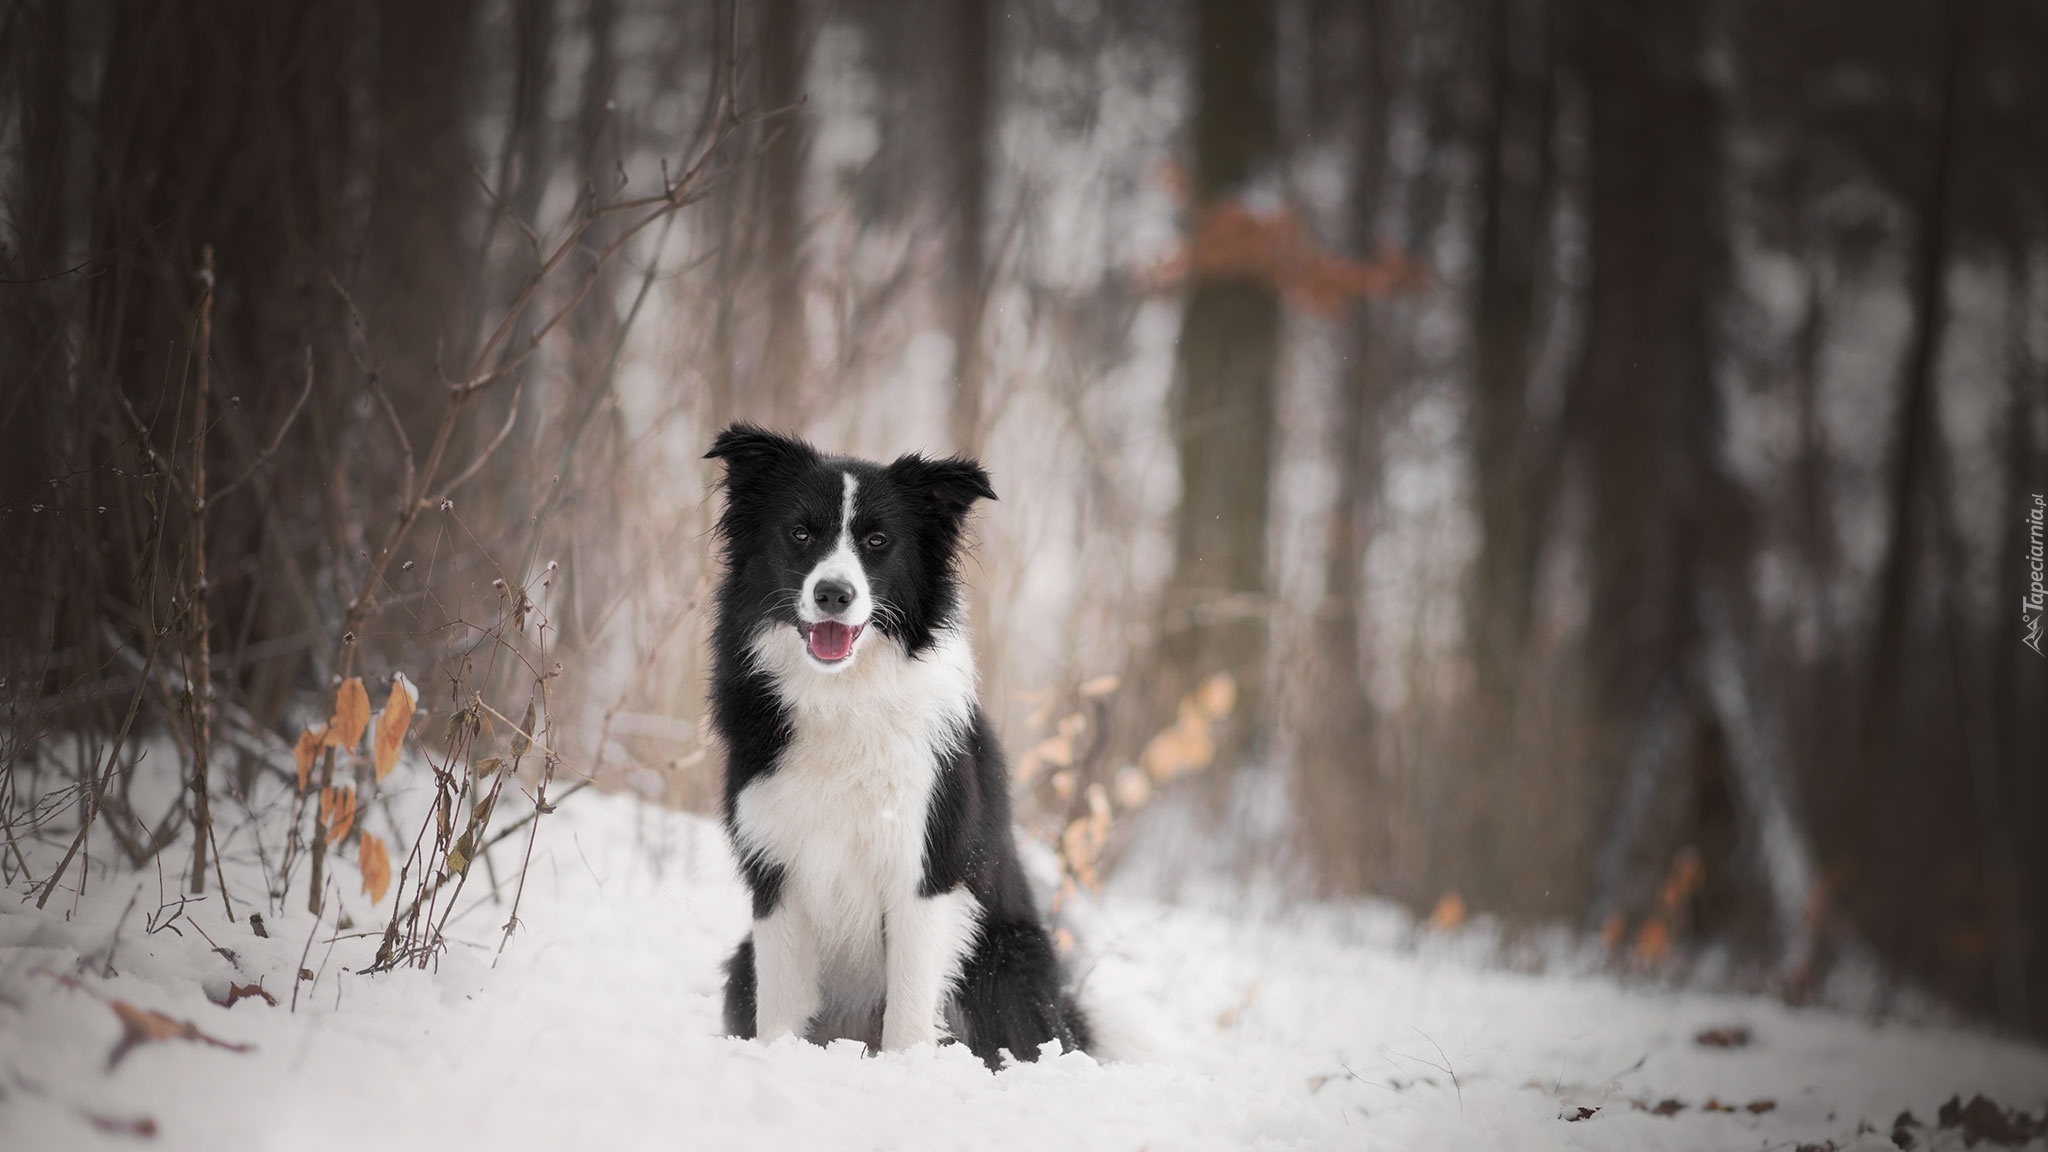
866	797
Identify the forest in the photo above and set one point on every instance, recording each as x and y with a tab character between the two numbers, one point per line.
1562	464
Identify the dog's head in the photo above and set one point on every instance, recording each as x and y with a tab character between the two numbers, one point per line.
843	551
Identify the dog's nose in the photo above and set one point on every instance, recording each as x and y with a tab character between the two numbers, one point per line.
833	595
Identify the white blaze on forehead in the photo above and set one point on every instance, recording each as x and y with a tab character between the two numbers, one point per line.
842	563
846	509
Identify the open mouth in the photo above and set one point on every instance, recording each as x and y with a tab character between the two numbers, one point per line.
829	640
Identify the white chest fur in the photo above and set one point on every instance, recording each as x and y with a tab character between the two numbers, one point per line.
844	815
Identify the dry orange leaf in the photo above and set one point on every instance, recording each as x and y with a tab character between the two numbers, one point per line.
1217	696
1653	943
1613	930
304	752
337	811
393	722
1232	241
1133	787
351	714
1450	912
1100	686
376	868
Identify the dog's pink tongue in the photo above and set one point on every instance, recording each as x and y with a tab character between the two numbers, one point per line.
831	641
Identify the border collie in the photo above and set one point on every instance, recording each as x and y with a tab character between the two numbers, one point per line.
865	795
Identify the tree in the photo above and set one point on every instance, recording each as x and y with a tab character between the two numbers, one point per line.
1214	615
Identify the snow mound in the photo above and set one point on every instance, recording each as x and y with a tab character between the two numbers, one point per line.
597	1028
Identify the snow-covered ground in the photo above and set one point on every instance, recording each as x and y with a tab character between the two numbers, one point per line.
597	1028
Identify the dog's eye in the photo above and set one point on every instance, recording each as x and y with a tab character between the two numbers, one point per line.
800	535
875	541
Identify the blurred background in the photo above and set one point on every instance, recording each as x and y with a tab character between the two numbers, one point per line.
1563	461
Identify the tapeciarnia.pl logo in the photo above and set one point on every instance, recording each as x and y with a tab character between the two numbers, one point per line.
2035	606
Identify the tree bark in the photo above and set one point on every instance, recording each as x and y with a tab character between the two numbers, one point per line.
1515	194
786	358
967	273
1214	615
1667	531
1915	414
1340	797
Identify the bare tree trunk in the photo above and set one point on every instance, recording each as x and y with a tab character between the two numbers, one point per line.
1515	195
1340	797
1512	480
967	274
1911	446
419	247
31	333
1214	614
1666	523
787	354
2018	774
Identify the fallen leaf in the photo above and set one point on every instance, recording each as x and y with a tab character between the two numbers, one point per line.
140	1127
1582	1114
376	864
1669	1106
392	724
240	992
1733	1036
1984	1120
1449	913
141	1026
351	714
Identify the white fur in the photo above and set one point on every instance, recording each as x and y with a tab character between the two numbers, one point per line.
844	815
842	563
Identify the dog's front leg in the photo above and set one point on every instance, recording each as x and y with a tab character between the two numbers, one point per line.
786	973
927	938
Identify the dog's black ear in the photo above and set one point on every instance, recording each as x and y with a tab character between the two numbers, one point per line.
952	484
750	450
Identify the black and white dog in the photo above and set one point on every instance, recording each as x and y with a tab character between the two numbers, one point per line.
865	795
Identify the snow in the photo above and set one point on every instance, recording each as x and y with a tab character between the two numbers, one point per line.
1319	1027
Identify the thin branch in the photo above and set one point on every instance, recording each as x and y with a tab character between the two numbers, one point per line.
276	441
511	417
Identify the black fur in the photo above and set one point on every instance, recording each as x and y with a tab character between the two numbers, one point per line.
1011	994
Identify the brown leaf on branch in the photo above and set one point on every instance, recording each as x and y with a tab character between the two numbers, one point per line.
1099	687
337	811
1189	743
1234	241
522	739
306	751
376	864
392	724
141	1026
351	714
